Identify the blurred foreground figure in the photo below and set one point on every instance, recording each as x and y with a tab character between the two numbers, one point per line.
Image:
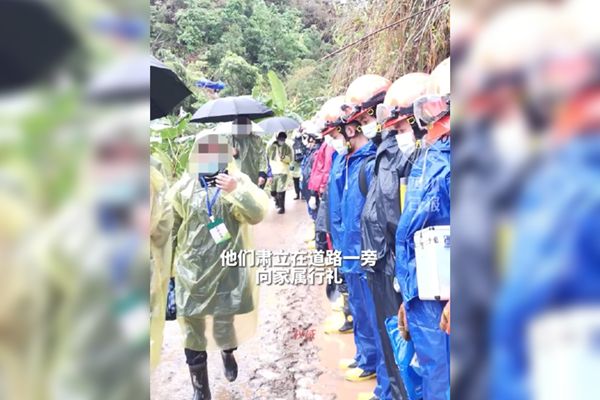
213	204
496	134
547	318
161	225
96	248
20	308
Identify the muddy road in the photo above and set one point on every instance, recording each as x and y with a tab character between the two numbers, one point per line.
276	363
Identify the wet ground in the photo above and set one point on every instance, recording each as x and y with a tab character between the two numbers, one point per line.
278	363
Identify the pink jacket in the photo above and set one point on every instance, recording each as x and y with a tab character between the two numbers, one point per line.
320	168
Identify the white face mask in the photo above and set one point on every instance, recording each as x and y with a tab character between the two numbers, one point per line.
241	129
406	142
340	146
370	130
125	189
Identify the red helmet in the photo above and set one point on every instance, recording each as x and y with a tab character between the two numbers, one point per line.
331	113
363	95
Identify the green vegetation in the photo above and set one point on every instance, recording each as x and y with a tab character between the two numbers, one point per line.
275	49
237	41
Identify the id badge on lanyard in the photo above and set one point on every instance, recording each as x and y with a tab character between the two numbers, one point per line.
216	227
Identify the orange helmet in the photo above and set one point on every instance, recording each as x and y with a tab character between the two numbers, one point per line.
331	113
363	95
397	105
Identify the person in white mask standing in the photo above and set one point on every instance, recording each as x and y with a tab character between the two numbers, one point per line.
353	150
362	97
427	206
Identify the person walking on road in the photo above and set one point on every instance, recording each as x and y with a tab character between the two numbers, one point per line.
213	205
280	156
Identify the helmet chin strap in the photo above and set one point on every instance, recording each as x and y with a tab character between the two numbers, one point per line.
417	130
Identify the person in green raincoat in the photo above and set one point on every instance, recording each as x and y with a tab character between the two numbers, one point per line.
249	151
161	225
212	208
295	167
280	156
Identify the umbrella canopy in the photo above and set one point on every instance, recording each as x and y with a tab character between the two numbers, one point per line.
226	128
34	41
166	89
279	124
229	108
124	80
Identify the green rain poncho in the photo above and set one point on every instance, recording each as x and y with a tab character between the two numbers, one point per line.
161	225
214	301
251	158
280	157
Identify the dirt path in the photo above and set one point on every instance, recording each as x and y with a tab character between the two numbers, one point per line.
274	364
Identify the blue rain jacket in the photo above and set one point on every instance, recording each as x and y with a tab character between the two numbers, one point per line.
351	204
427	203
335	186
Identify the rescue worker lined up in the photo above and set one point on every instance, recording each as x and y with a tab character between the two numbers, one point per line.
385	144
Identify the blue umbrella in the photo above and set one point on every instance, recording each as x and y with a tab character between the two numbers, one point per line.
212	85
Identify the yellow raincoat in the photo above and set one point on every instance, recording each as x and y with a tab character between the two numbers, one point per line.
252	158
280	157
161	225
214	301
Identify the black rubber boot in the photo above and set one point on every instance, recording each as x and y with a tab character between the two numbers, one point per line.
281	197
297	188
230	365
196	361
348	326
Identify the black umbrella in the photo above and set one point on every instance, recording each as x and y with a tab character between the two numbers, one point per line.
166	89
33	41
278	124
229	108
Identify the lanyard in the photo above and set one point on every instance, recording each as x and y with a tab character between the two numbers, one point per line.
122	260
210	203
